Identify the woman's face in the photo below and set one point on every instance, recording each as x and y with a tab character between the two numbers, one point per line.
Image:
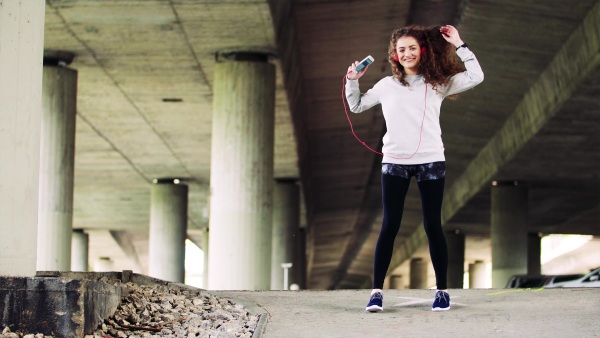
409	54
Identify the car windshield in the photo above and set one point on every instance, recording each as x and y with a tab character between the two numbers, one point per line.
565	278
594	276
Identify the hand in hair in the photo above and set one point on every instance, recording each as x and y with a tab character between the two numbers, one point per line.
450	34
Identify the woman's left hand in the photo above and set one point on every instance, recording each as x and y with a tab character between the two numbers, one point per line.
450	34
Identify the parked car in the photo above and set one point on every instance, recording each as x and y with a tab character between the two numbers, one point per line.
526	281
558	280
590	280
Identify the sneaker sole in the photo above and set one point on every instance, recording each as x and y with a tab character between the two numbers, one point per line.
374	308
440	308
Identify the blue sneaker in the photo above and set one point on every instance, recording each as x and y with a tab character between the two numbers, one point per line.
375	303
441	302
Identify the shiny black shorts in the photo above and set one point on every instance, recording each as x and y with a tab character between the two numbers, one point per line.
422	172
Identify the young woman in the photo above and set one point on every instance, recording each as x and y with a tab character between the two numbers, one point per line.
425	71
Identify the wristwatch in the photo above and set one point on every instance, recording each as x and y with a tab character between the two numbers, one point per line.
463	45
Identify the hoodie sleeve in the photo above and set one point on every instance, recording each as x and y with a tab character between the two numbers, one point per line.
360	102
469	78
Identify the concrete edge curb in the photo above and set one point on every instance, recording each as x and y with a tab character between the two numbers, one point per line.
252	307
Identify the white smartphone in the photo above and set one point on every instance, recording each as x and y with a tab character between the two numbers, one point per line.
364	63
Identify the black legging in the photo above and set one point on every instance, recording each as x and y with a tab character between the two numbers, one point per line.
394	189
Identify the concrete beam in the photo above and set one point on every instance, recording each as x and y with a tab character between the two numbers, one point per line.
124	241
579	56
433	12
369	211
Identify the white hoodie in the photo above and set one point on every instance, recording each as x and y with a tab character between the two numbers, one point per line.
412	114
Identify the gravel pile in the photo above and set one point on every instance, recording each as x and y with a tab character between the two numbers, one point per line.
149	311
6	333
161	311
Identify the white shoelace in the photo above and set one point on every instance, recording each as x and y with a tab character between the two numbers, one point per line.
441	295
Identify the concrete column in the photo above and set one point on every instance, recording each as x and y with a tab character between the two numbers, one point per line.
205	246
57	162
418	273
396	282
508	231
299	276
104	264
477	275
168	230
79	251
534	253
286	221
456	259
21	52
241	179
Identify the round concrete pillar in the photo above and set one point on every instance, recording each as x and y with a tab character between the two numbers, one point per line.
534	254
396	282
286	220
168	230
104	264
455	241
508	231
418	273
241	178
22	40
299	275
205	245
79	251
477	275
57	162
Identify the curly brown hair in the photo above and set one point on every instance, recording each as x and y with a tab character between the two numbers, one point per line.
437	65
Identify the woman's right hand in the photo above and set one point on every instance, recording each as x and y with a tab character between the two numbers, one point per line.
355	76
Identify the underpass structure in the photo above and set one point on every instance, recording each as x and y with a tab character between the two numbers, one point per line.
145	100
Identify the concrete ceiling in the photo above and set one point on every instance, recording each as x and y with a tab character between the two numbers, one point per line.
145	99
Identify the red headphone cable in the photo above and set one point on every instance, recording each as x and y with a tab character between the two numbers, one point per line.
363	142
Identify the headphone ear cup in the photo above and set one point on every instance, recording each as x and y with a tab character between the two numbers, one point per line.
396	57
423	50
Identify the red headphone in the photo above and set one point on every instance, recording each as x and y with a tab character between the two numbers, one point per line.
423	52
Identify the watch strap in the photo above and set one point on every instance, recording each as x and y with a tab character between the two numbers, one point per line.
463	45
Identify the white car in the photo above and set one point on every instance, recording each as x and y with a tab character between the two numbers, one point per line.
590	280
557	281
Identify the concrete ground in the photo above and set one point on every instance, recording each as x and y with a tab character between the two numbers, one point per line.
407	313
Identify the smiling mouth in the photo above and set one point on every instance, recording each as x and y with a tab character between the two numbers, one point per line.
409	60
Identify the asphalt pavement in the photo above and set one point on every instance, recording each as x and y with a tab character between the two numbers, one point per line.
407	313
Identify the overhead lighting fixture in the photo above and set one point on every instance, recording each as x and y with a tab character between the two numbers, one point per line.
172	99
504	183
169	180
